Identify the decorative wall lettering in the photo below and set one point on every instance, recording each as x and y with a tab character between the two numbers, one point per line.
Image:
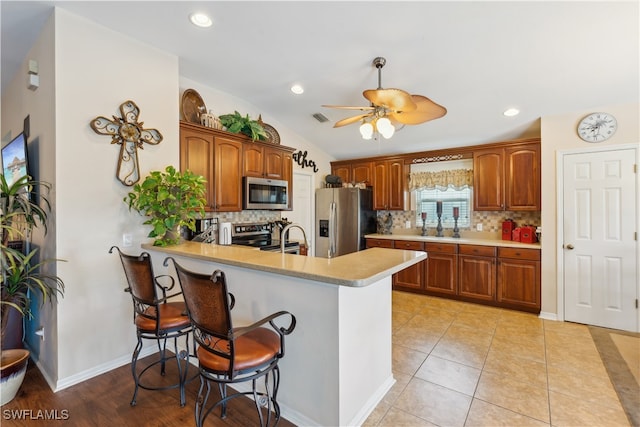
129	134
301	159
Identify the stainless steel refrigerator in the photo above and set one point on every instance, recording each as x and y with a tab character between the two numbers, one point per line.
343	217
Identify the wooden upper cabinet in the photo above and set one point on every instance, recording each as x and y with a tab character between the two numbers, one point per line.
354	172
522	171
507	178
287	174
488	180
273	163
253	161
228	175
196	155
263	162
362	172
343	171
219	160
390	182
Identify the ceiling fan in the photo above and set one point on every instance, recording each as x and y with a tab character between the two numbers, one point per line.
389	106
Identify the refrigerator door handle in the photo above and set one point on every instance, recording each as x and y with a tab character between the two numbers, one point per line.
332	229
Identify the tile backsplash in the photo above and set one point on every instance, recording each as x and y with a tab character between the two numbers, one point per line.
491	221
246	216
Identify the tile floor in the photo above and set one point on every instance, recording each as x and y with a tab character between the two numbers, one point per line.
461	364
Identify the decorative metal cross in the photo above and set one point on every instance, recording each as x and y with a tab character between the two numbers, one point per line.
129	134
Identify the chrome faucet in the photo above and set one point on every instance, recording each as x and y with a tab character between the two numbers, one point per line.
284	233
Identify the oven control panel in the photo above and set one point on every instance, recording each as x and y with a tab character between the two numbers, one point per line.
251	229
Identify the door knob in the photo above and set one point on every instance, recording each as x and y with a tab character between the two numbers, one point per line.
569	246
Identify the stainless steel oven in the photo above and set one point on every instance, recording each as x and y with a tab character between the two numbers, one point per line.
258	235
264	194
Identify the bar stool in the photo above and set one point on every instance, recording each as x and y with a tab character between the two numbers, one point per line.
228	355
156	319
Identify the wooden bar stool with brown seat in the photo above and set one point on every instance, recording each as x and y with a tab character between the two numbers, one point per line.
156	319
228	355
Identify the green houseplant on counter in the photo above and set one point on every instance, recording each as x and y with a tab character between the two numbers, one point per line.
171	200
237	123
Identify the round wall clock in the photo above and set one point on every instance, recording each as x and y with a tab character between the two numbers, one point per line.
597	127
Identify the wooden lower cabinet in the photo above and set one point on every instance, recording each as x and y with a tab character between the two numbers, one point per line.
518	282
499	276
477	277
380	243
441	268
411	277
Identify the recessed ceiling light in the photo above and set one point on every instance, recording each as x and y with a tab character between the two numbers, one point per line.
510	112
200	20
297	89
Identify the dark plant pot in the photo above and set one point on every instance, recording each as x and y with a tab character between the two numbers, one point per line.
12	329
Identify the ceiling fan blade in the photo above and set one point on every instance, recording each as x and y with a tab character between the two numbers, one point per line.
350	120
391	99
426	110
344	107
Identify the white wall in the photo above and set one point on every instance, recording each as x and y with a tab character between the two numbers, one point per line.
98	69
559	133
18	102
86	71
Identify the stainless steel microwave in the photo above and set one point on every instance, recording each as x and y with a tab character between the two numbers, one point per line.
266	194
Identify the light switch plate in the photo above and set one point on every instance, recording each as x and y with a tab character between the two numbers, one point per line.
479	227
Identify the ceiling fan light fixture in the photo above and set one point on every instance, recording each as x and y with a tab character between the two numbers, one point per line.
366	130
385	127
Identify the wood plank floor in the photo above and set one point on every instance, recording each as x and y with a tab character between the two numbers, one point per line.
104	401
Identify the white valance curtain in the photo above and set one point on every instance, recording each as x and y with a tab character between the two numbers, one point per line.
456	179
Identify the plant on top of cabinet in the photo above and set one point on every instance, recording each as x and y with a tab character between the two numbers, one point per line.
237	123
170	199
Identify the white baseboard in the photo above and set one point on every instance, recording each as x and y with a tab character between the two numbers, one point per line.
373	401
96	370
548	316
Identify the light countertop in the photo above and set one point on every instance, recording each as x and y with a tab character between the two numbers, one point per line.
355	269
462	240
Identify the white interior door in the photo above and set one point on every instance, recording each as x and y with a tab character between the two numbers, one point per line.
303	205
599	223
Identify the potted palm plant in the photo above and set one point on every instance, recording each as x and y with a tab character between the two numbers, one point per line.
22	274
170	200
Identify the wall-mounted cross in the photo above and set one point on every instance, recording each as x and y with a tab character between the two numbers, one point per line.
129	134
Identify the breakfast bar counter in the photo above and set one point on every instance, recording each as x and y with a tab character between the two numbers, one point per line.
355	269
337	365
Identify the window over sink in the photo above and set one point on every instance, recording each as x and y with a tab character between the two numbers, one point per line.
449	182
426	201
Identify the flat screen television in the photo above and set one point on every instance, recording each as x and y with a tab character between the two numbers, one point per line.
15	159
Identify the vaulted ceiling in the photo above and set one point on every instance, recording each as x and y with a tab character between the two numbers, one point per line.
475	58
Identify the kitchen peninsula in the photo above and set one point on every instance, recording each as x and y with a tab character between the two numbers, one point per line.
337	365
